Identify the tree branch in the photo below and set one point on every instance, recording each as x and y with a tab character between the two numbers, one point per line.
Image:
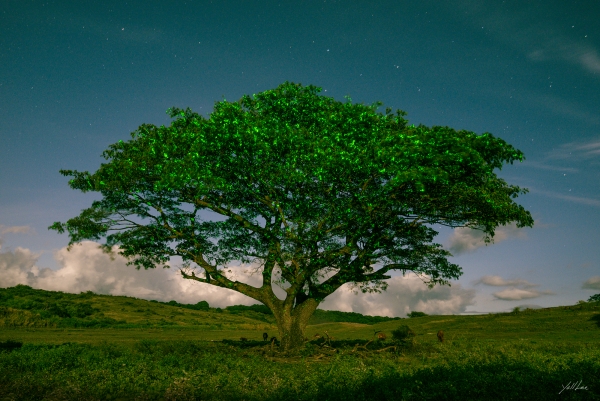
229	213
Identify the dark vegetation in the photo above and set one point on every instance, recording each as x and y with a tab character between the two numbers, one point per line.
417	314
10	345
403	333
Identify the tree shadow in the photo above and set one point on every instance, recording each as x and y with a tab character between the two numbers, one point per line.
596	318
10	345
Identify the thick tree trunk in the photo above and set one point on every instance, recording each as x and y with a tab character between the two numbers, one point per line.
292	322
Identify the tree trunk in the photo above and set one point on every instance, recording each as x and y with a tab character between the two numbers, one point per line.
292	322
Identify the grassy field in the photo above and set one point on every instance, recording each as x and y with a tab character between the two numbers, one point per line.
56	346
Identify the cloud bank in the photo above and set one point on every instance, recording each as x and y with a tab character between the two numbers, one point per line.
593	283
464	240
575	199
515	294
512	294
498	281
14	230
87	268
578	150
404	294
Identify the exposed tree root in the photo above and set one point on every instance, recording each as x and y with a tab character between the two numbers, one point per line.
395	347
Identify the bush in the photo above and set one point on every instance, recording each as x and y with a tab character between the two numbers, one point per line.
10	317
417	314
403	333
202	305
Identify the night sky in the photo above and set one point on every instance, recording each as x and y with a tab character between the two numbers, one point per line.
76	77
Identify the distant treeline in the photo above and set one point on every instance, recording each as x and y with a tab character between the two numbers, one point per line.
320	316
202	305
327	316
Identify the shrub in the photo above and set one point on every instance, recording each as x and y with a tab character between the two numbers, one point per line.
87	294
417	314
403	333
202	305
10	317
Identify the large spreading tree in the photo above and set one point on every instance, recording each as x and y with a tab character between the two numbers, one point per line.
339	186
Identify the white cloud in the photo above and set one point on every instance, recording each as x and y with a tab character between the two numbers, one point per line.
574	199
541	42
590	61
15	230
514	294
591	148
465	239
593	283
17	267
498	281
87	268
576	52
404	294
543	166
577	150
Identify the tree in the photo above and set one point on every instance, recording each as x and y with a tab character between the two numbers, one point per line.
339	186
417	314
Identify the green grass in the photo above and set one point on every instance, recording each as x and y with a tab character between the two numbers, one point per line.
150	369
197	354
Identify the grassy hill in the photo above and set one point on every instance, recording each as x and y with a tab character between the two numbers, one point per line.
23	306
28	308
